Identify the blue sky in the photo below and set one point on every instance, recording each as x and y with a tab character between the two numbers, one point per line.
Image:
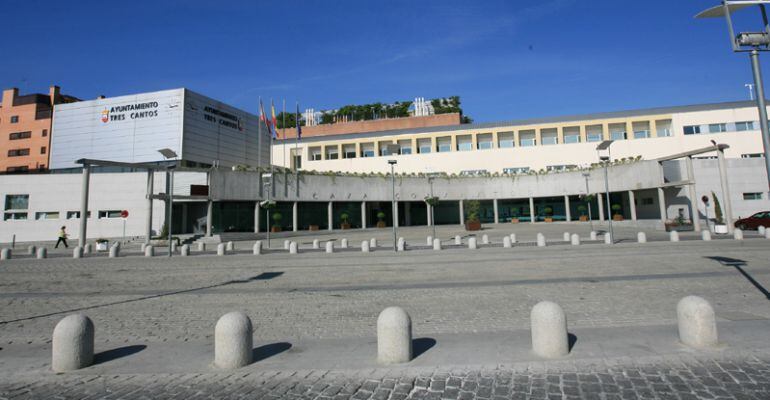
506	59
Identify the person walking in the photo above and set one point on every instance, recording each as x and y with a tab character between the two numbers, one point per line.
62	237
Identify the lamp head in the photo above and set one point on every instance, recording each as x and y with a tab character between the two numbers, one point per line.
392	162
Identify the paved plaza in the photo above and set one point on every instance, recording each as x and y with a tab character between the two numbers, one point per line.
314	317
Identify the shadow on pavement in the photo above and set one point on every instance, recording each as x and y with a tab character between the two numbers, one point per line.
737	264
266	351
119	352
421	345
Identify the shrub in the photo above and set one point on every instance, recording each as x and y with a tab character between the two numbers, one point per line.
473	207
717	210
381	216
344	218
548	210
582	209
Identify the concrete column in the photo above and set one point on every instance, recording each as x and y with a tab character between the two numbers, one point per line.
662	204
294	216
395	213
497	214
462	213
568	212
150	190
600	202
257	218
363	215
531	210
184	217
632	204
209	217
330	214
84	205
407	214
429	210
694	215
728	206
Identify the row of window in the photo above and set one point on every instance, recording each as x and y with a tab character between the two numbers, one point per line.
24	135
721	127
485	141
23	152
52	215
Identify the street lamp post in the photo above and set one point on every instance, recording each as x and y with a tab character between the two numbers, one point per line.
169	154
393	206
266	185
432	214
586	175
753	43
605	145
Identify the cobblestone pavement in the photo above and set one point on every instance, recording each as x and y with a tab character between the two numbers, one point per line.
671	378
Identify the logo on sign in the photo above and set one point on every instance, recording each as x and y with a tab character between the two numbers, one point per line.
105	115
130	111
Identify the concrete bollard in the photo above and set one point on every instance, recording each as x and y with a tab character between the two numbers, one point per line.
575	239
566	236
344	243
257	248
316	243
114	252
472	243
230	246
394	336
641	237
286	244
149	251
173	246
738	234
513	237
429	240
201	246
293	248
42	253
330	247
77	252
761	230
436	244
373	243
458	240
549	330
221	249
31	250
593	235
144	245
73	343
485	239
607	238
673	236
767	233
697	323
233	341
6	254
87	249
184	251
401	244
540	240
364	246
506	242
705	235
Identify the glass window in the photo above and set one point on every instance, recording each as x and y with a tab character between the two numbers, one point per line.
444	144
315	153
405	146
717	128
744	126
367	149
594	133
572	134
549	136
109	214
527	138
516	170
14	216
464	143
332	153
618	131
385	148
18	152
641	134
752	196
42	150
484	141
76	214
16	202
692	130
423	146
505	140
45	132
15	120
663	127
47	215
752	155
20	135
349	150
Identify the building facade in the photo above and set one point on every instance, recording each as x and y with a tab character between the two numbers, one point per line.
25	129
528	146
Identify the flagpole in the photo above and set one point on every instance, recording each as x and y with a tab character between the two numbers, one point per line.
296	140
283	136
270	140
259	137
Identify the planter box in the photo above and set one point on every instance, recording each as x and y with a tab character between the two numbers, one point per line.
583	218
548	219
679	228
617	217
313	228
102	246
514	220
720	229
345	226
473	225
275	229
381	224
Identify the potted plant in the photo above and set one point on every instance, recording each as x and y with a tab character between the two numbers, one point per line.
616	215
719	222
472	223
514	215
313	227
380	219
679	224
344	221
582	210
102	244
277	217
548	210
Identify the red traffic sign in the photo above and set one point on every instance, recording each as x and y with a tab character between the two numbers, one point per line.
124	214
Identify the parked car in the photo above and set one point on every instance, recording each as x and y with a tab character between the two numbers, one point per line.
761	218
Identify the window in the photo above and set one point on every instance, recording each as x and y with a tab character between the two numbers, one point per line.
572	134
484	141
618	131
717	128
18	152
464	143
516	170
423	146
386	147
641	134
594	133
315	153
297	162
45	132
744	126
444	144
20	168
692	130
47	215
474	172
20	135
367	149
647	201
14	119
549	136
349	151
332	153
76	214
14	216
42	150
109	214
663	127
405	146
16	202
752	196
752	155
505	140
555	168
527	138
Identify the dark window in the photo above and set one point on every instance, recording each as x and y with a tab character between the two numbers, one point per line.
45	132
692	130
20	168
18	152
752	196
14	119
42	150
16	201
20	135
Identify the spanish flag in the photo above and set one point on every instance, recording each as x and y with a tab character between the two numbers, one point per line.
275	121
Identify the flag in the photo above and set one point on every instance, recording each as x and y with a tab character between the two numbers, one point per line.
263	117
299	126
275	121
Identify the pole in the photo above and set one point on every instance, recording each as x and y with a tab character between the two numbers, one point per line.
124	231
84	205
762	110
170	207
267	214
590	220
283	135
432	214
150	190
607	192
393	206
